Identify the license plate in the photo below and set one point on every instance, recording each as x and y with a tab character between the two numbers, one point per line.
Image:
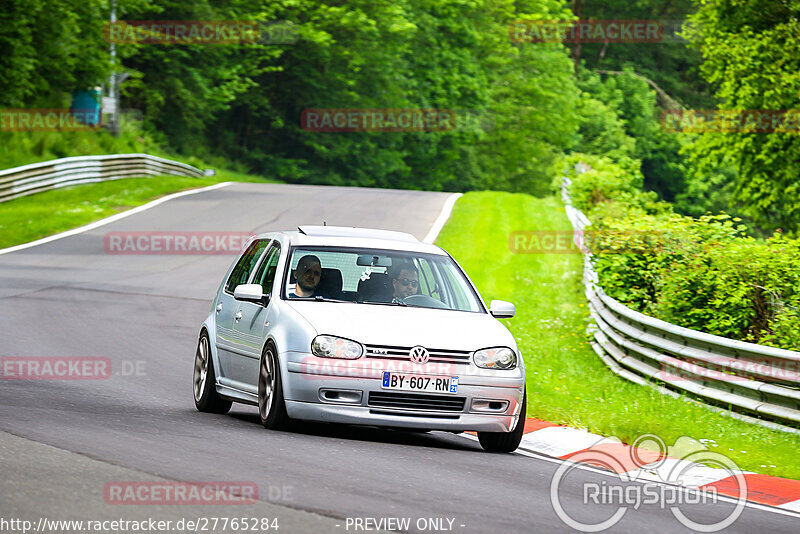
423	384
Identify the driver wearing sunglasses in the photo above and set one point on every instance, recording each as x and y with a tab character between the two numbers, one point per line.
405	280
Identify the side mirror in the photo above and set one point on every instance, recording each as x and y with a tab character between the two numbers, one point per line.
502	309
250	293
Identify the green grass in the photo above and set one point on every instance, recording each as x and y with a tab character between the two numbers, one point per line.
28	218
567	383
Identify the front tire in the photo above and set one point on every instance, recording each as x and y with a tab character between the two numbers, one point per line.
271	406
206	398
506	441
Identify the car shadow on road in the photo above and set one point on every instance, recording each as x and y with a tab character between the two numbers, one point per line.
433	439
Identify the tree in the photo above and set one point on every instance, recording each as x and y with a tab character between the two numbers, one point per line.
751	52
49	45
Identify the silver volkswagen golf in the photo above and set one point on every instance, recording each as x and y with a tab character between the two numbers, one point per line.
358	326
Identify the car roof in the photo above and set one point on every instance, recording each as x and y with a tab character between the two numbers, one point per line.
350	236
352	231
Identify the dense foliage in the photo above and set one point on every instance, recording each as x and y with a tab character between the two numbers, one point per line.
705	273
516	102
751	55
521	105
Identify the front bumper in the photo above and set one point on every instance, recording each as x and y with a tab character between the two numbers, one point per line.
339	391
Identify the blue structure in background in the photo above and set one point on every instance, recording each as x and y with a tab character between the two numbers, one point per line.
86	106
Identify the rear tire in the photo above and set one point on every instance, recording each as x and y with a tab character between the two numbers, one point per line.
206	398
271	406
506	441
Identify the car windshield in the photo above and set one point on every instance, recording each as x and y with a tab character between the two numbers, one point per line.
379	277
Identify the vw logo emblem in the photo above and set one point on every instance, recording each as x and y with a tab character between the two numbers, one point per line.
419	355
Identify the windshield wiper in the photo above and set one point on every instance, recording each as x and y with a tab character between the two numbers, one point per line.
318	298
395	303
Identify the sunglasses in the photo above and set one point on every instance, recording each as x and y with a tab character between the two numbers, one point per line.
407	282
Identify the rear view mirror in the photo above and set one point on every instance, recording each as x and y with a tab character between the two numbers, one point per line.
502	309
365	260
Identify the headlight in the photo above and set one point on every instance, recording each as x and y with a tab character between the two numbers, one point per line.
336	347
495	358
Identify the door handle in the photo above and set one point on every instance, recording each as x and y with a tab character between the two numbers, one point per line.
219	307
237	316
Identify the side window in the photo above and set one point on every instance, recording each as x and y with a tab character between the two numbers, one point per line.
427	281
443	285
456	289
245	265
265	274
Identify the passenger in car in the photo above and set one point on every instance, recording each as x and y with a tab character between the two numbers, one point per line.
307	274
405	280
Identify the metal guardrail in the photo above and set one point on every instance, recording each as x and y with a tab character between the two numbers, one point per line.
748	378
38	177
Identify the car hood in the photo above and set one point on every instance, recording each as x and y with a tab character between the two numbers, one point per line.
374	324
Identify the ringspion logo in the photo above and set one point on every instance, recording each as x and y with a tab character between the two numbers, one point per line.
647	473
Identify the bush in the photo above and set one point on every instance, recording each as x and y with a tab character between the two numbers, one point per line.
607	187
746	289
702	273
635	254
604	180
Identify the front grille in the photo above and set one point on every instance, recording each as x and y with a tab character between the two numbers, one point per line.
414	401
390	352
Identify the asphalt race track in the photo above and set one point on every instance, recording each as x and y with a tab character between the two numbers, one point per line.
63	441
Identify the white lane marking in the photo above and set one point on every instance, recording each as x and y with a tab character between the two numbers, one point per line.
682	472
113	218
561	440
794	506
438	224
